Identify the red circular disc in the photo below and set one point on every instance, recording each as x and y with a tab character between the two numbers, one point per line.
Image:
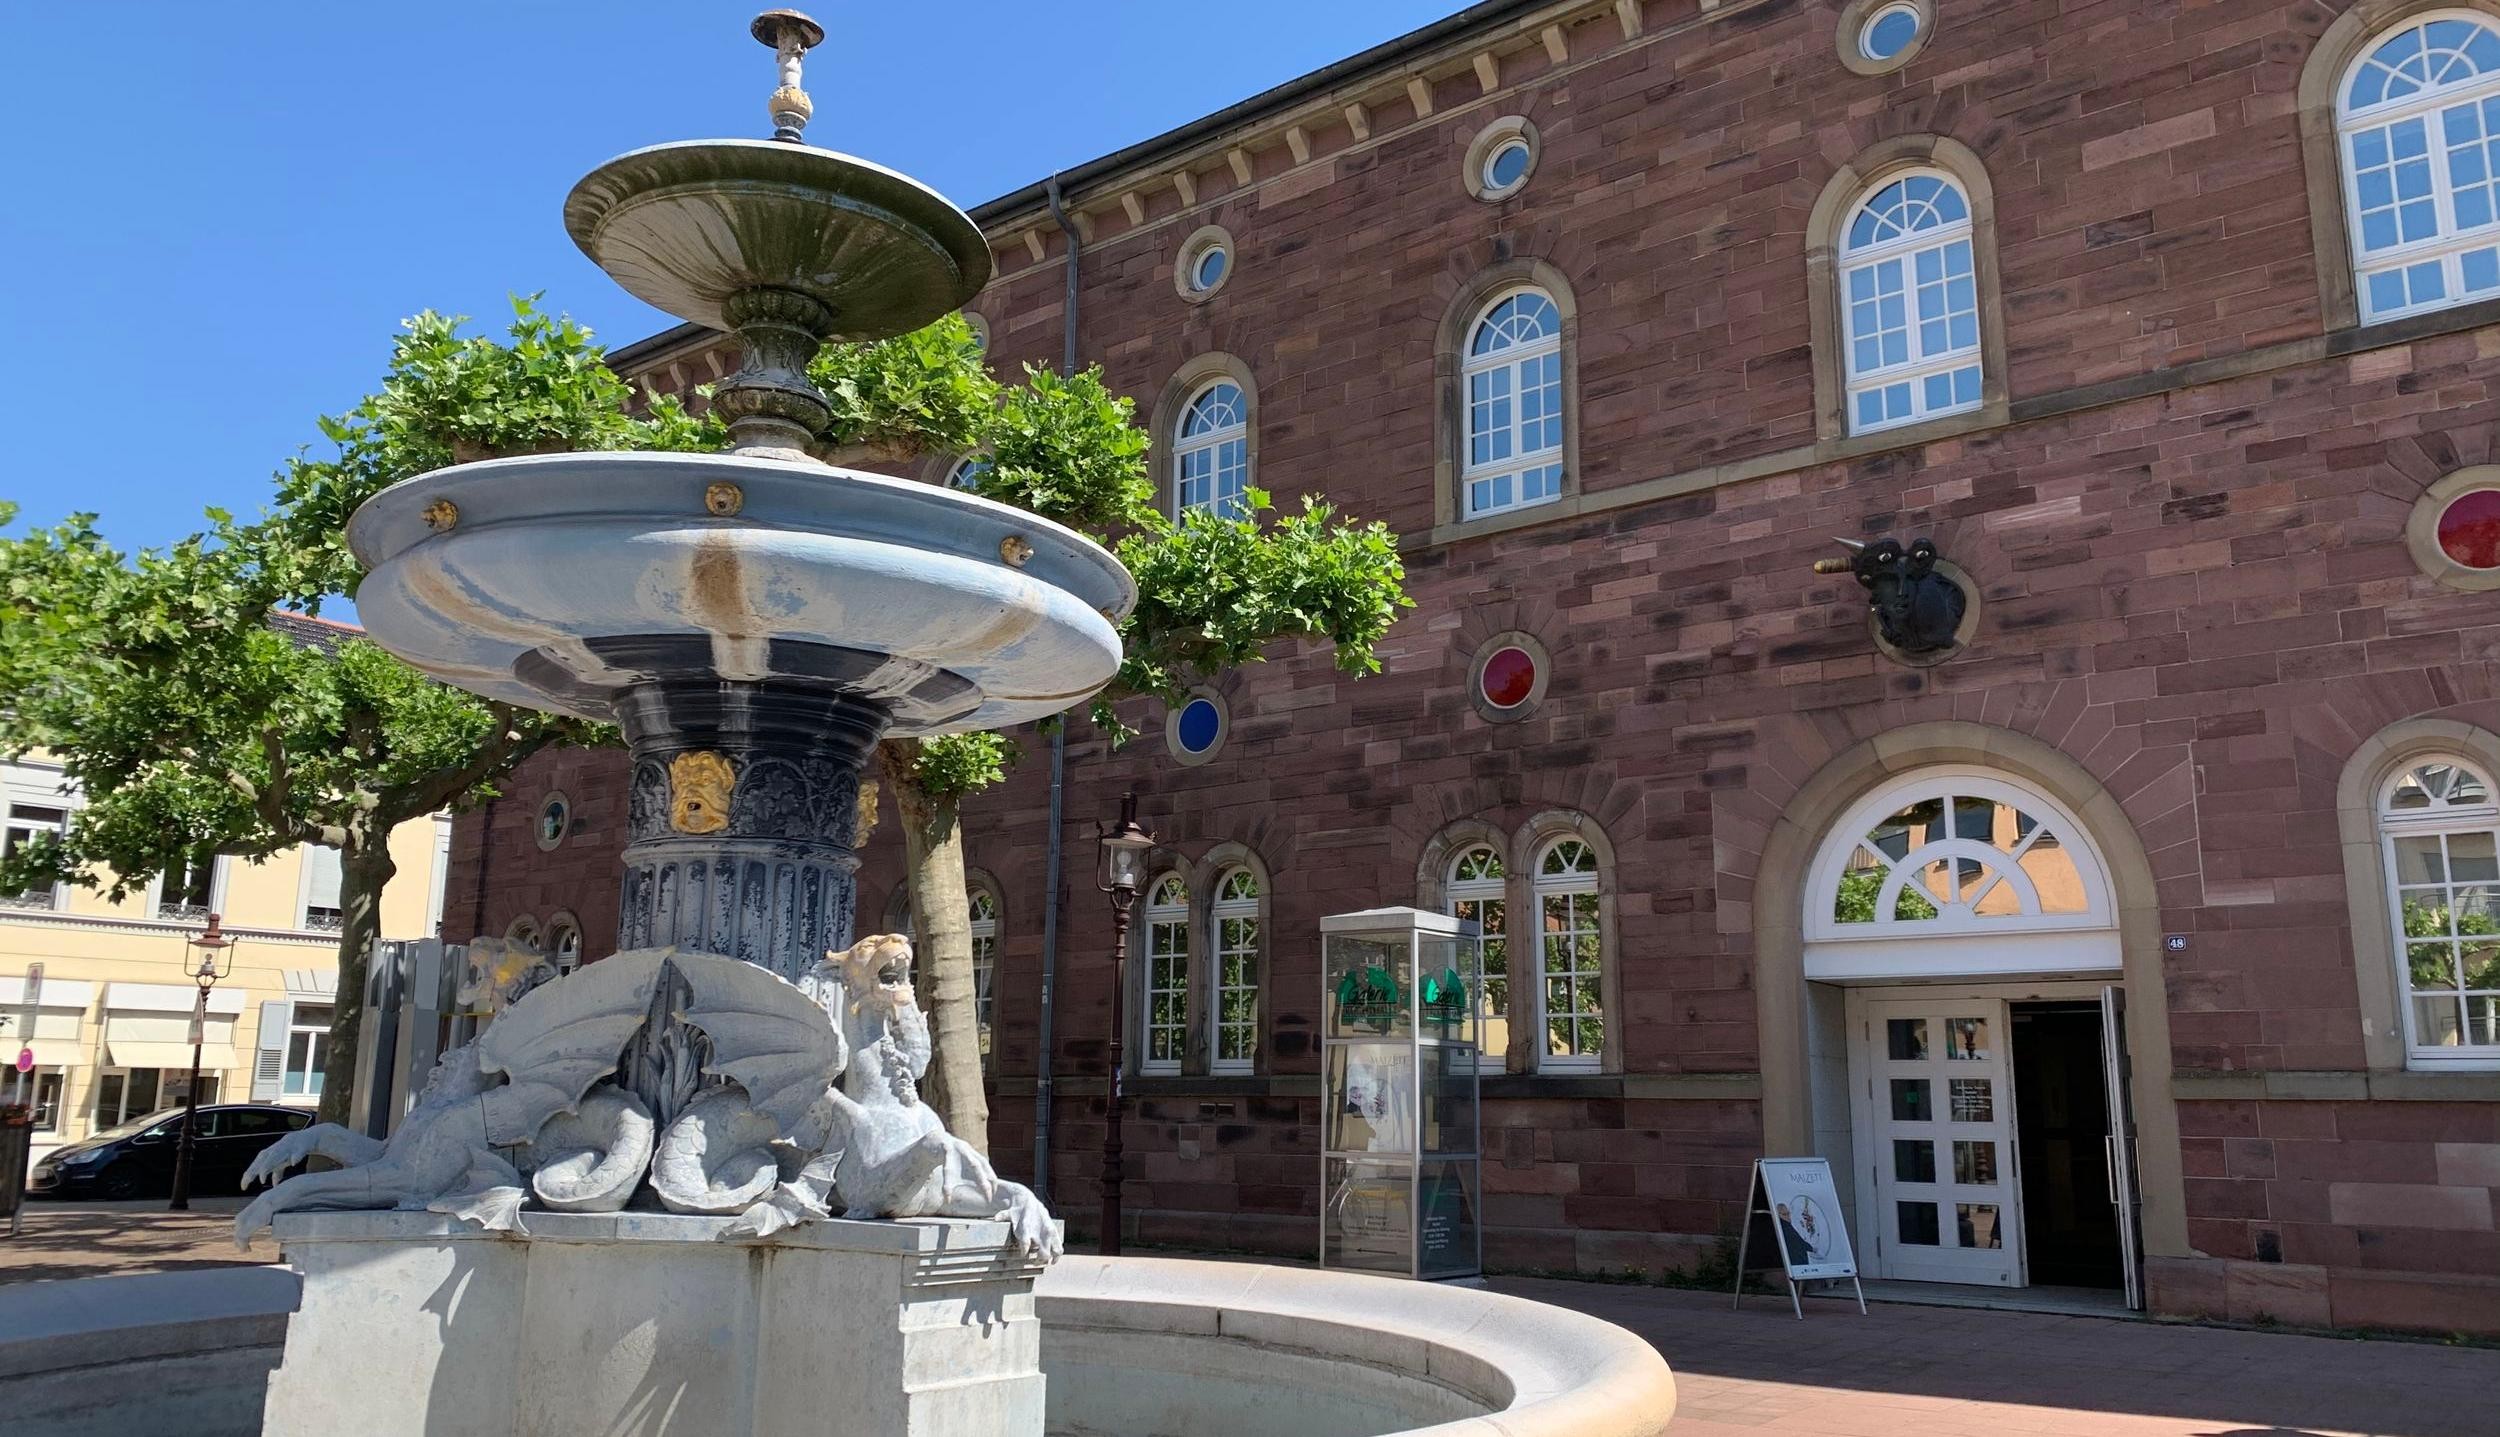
1509	677
2469	529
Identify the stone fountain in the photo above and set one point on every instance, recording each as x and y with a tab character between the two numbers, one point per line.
660	1194
690	1190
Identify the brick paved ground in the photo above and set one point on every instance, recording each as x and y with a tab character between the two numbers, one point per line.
1905	1371
1900	1371
108	1238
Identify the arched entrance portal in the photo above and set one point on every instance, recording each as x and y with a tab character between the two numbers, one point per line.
1965	997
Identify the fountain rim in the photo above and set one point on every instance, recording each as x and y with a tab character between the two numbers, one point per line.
391	523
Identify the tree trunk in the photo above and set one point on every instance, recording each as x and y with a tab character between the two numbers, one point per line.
941	925
365	867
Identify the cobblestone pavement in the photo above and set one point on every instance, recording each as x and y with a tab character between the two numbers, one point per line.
100	1239
1909	1371
1900	1371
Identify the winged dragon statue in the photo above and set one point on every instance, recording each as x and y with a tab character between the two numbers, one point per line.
687	1080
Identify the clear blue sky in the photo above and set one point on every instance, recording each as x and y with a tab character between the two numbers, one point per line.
218	212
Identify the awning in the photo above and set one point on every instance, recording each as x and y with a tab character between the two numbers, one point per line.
175	1057
49	1053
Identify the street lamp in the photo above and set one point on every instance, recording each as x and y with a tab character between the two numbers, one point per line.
1123	873
215	961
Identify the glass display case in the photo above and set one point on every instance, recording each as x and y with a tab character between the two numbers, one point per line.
1403	1014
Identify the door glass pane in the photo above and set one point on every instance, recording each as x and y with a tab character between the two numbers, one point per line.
1975	1163
1906	1039
1910	1101
1974	1101
1913	1162
1966	1039
1976	1224
1916	1224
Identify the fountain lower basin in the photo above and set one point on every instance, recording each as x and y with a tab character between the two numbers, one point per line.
563	581
1129	1347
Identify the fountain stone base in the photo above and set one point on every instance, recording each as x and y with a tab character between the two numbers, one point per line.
415	1325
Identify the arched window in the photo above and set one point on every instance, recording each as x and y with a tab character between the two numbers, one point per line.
967	472
984	959
524	932
1513	379
1477	889
1234	921
1949	852
1573	951
2418	125
1164	1015
1211	454
564	942
1909	298
2441	829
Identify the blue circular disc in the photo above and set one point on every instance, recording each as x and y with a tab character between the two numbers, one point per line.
1201	724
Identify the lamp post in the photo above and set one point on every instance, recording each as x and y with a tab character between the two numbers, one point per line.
216	961
1123	873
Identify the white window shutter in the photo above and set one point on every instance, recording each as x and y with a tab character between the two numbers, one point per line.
269	1062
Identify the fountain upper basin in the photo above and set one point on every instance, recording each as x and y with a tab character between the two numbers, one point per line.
557	581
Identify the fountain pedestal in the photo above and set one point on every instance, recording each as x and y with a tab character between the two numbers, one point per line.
414	1325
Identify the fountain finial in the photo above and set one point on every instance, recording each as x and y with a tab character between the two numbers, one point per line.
791	35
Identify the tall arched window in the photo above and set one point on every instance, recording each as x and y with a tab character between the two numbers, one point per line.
1573	951
1211	454
984	959
1514	384
2418	120
1165	1011
1234	919
564	942
1909	295
1477	888
2441	828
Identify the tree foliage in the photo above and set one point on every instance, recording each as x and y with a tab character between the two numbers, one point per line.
189	723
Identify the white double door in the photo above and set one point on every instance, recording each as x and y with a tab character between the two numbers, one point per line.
1931	1082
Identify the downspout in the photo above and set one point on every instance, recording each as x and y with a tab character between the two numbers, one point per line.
1053	877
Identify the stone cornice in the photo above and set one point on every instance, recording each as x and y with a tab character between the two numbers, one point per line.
1384	96
108	923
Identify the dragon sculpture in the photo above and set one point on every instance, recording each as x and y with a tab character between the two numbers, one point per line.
713	1085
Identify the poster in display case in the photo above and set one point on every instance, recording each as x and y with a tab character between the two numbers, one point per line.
1401	1178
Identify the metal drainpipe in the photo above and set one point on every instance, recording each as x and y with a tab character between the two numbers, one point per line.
1053	877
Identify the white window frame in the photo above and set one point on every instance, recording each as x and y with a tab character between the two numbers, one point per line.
10	824
1164	930
216	894
965	473
1212	441
984	929
304	887
315	1036
1568	885
1493	890
27	1088
1920	366
1233	910
1511	360
2440	820
558	928
2447	244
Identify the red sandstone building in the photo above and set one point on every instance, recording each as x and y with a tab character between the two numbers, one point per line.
2174	326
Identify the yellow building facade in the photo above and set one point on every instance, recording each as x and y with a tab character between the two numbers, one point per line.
109	1028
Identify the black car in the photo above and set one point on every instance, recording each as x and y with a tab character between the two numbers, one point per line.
137	1159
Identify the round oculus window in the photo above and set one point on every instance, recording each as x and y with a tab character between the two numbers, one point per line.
1507	167
2469	529
1199	728
555	816
1509	677
1890	31
1207	270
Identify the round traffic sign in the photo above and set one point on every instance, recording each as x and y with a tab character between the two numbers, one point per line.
26	1060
